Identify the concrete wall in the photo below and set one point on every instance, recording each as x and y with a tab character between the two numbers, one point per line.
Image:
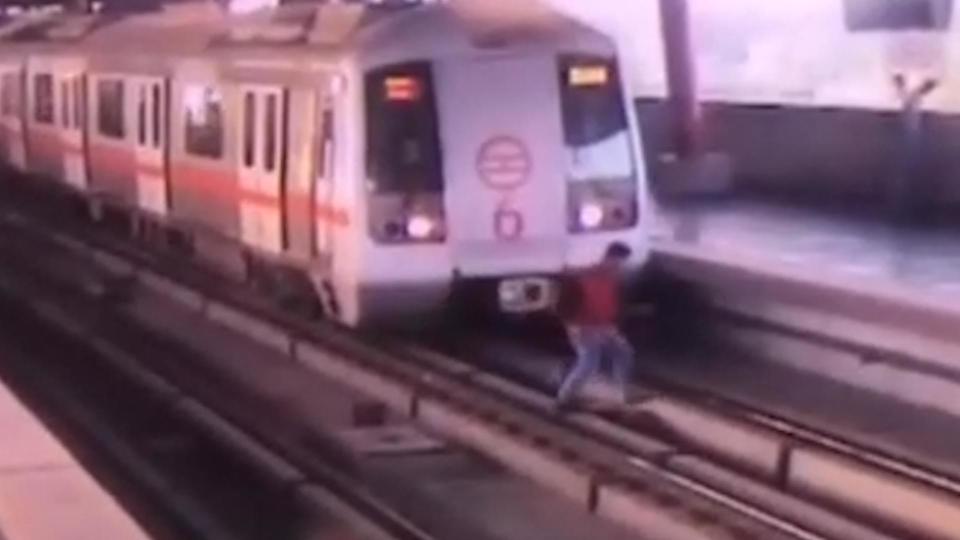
845	155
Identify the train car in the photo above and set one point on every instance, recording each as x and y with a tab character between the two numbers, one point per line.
383	159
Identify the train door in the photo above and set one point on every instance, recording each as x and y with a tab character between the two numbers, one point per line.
504	164
263	126
326	216
153	191
304	171
11	116
72	113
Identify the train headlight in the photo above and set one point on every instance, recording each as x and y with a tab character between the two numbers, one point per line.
602	206
591	215
420	227
399	218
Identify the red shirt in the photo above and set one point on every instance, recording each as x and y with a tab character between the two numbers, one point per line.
599	297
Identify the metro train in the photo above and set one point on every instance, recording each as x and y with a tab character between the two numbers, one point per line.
383	159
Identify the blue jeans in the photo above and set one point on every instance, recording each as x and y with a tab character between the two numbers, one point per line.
591	344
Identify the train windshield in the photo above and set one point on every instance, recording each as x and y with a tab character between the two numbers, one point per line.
403	144
596	130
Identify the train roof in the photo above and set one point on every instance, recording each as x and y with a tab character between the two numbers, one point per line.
203	28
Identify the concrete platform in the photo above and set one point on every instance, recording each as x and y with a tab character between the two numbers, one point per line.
44	493
861	302
776	237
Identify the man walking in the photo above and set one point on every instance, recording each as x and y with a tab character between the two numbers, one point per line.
590	307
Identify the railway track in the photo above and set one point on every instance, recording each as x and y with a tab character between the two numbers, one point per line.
184	468
182	471
252	430
521	441
713	477
787	456
796	433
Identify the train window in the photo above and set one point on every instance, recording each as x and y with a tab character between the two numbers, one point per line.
43	98
142	116
270	136
325	143
78	102
157	114
249	128
403	145
11	94
64	103
596	131
5	107
204	127
110	100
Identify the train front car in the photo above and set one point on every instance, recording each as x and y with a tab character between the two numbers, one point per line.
497	158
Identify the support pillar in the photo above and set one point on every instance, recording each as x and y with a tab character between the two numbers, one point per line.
686	120
685	167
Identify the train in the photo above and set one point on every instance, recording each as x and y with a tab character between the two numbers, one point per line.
382	160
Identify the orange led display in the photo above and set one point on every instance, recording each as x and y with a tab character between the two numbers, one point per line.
592	75
403	88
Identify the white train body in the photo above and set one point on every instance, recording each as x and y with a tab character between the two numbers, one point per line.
390	156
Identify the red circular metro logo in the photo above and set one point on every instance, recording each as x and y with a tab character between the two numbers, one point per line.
504	163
